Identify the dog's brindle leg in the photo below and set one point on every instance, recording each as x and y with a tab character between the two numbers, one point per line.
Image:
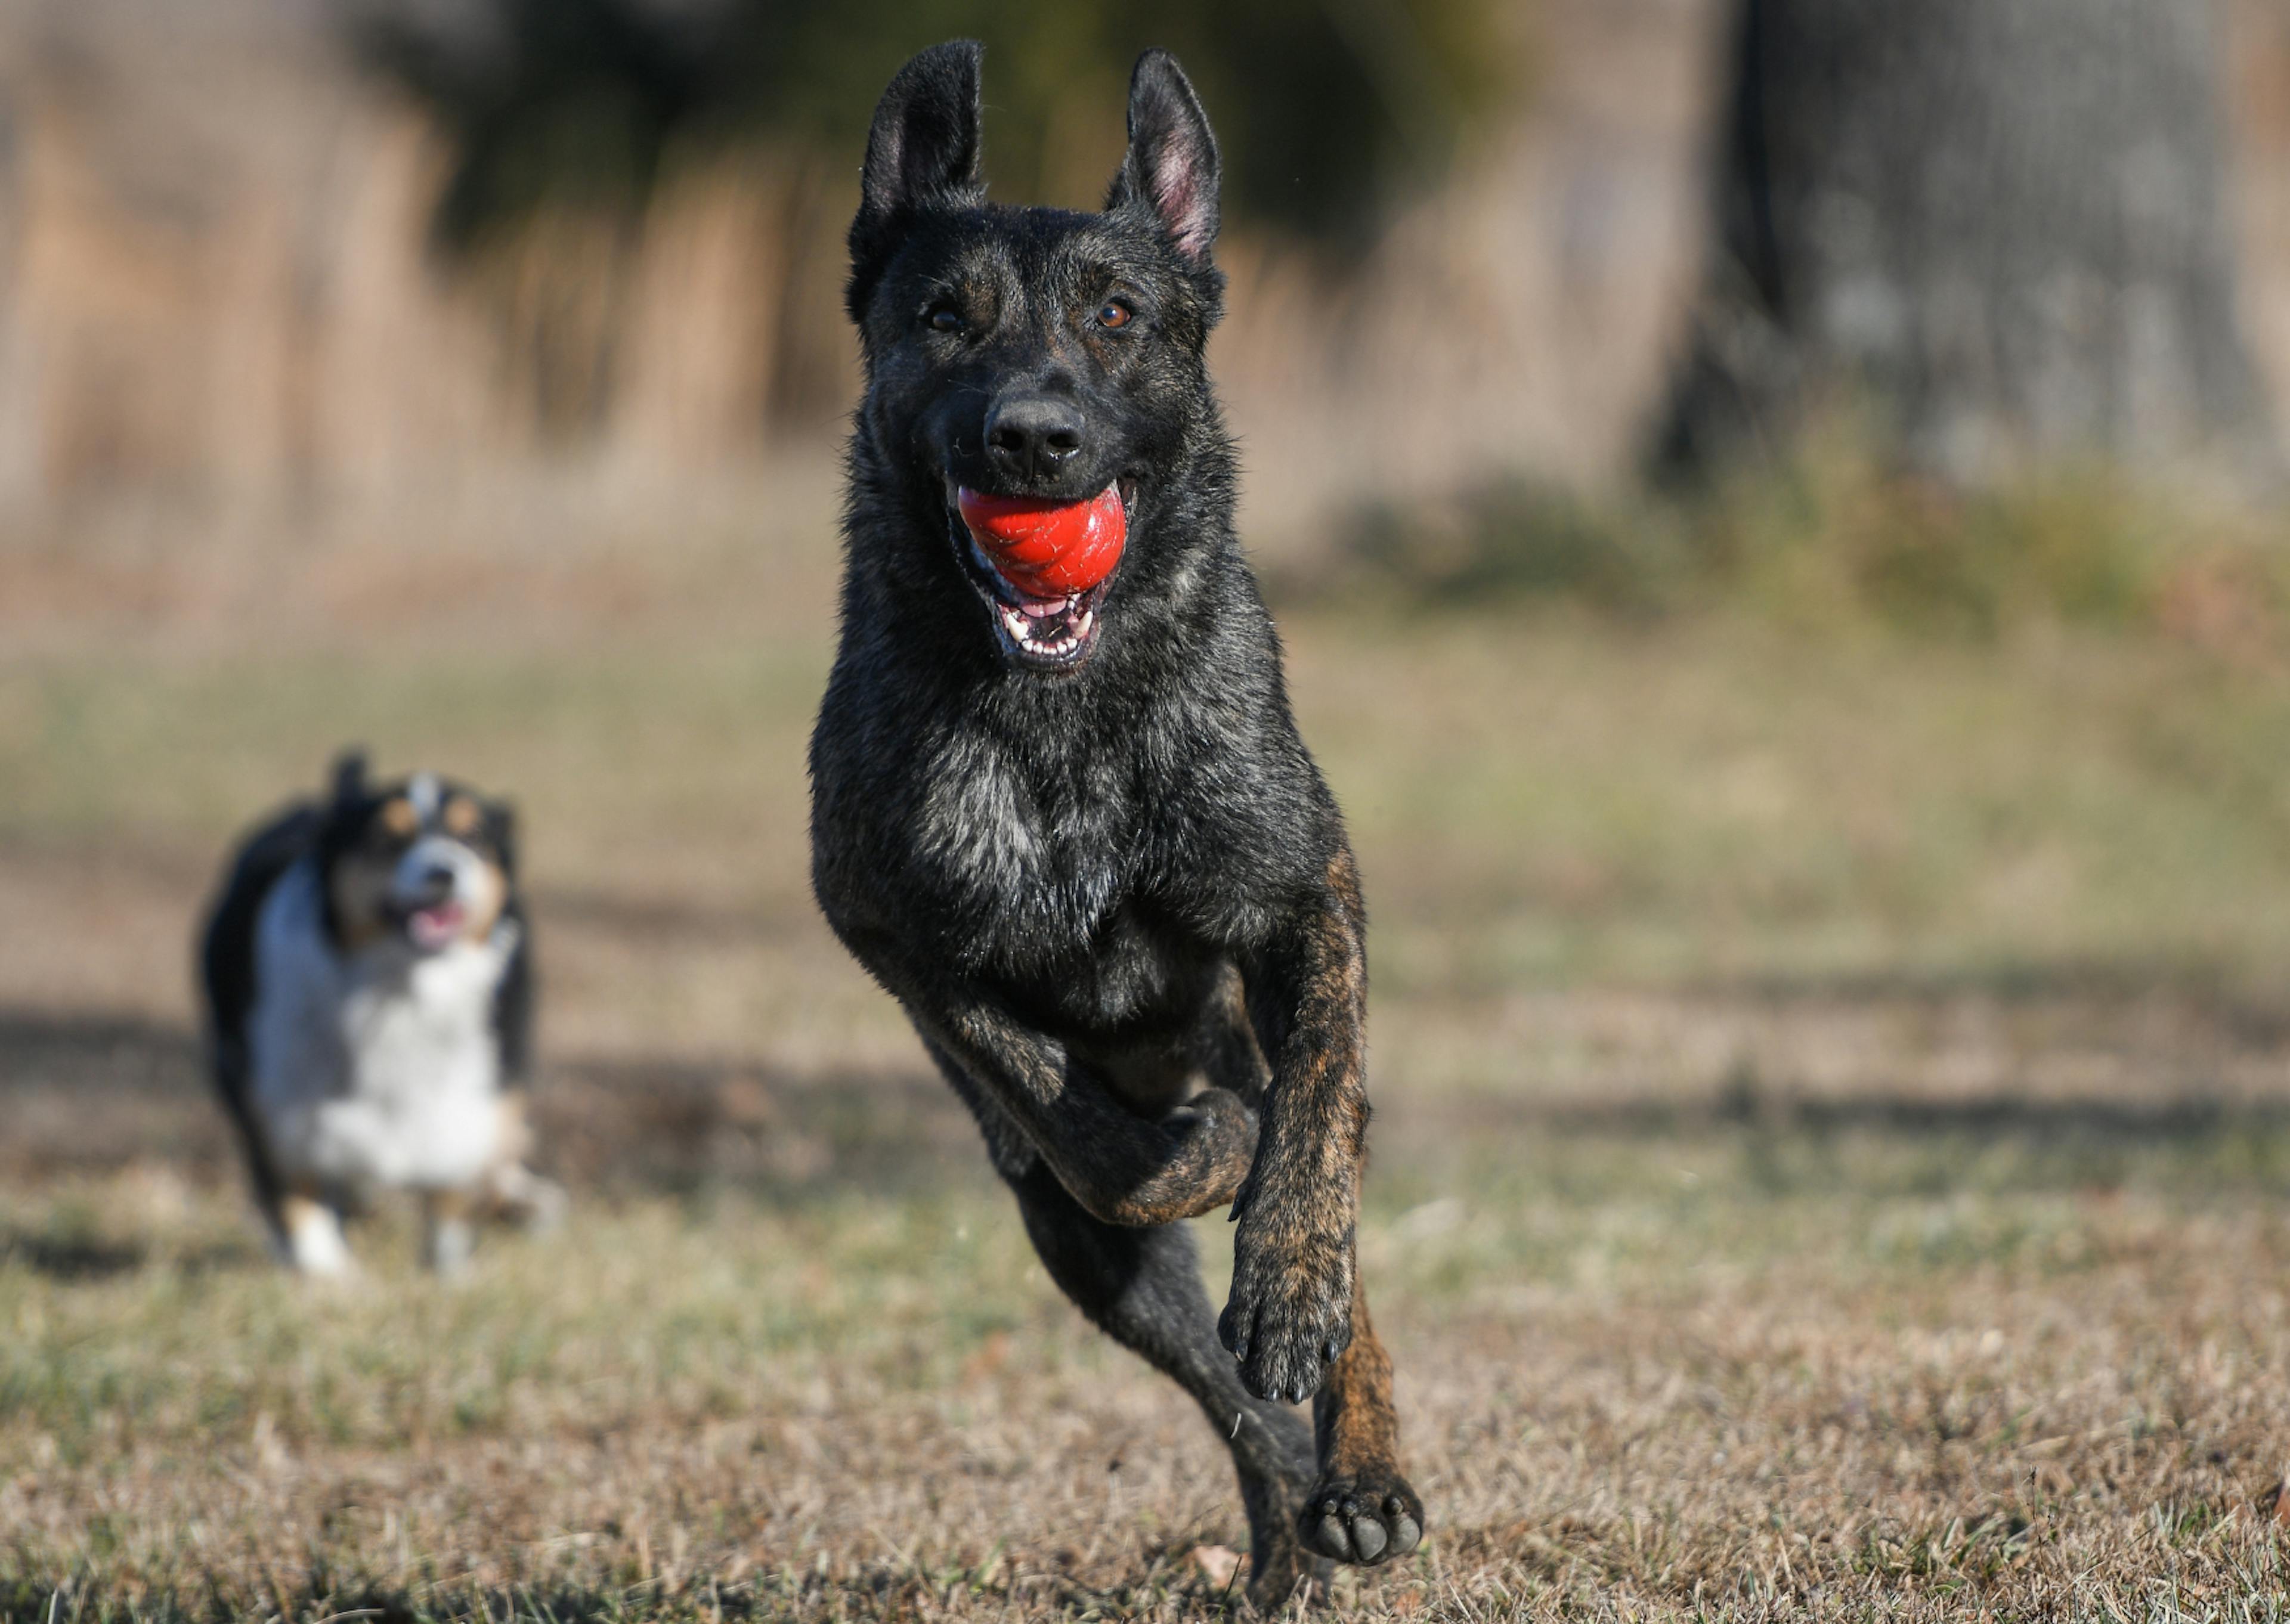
1289	1317
1361	1509
1142	1287
1121	1168
1297	1320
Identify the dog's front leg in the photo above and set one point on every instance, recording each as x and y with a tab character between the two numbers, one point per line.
1289	1317
1297	1319
1120	1167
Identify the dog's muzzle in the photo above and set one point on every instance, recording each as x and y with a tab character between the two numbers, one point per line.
433	890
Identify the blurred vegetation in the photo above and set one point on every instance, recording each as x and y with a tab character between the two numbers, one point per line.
1837	534
590	100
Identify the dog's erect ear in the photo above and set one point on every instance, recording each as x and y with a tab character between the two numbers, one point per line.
1171	168
340	817
501	820
924	146
921	151
350	776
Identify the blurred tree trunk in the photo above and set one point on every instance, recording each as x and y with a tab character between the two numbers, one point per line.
2001	225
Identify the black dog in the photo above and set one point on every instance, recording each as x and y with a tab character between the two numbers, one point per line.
1079	837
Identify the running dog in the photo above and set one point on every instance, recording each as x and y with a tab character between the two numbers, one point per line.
368	976
1062	811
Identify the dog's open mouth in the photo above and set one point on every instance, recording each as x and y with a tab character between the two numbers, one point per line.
1041	621
437	925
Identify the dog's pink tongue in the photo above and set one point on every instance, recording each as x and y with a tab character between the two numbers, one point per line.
433	927
1048	551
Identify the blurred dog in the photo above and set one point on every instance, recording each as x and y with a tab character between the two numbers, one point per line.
368	974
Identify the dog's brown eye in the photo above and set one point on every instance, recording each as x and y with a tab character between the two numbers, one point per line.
945	318
1113	313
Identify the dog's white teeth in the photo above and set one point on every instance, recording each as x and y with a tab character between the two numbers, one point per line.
1058	629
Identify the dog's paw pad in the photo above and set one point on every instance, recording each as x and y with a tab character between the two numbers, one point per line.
1366	1520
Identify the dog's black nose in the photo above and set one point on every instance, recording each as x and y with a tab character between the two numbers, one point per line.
436	886
1031	437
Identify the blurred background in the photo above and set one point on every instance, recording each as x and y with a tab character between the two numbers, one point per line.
1776	510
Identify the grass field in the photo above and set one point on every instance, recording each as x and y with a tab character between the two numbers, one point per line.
1831	1160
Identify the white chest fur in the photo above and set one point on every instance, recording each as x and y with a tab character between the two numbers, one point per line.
377	1068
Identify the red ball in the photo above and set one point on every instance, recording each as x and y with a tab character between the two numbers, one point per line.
1048	549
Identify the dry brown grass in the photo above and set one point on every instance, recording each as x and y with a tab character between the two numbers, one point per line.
1835	1119
1736	1369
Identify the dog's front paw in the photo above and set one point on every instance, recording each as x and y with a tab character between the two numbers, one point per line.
1201	1158
1290	1315
1367	1517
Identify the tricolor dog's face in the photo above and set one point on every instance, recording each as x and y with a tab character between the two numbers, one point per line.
427	862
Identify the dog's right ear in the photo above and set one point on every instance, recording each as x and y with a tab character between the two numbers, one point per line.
921	151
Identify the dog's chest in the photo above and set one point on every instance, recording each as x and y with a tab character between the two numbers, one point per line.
1030	862
424	1030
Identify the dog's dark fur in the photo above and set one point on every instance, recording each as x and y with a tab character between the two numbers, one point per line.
1096	888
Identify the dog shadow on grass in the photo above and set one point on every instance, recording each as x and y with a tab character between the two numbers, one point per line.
86	1259
2208	1003
90	1095
96	1093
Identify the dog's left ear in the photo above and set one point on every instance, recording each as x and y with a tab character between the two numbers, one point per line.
923	150
1171	169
